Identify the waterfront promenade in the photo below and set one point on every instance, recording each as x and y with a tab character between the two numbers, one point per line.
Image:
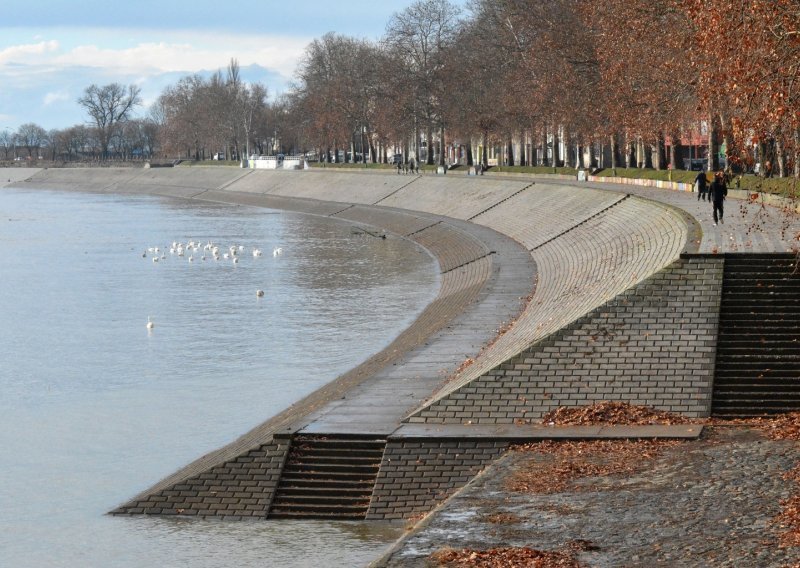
520	258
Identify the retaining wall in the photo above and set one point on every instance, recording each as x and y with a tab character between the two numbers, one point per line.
653	345
417	475
237	489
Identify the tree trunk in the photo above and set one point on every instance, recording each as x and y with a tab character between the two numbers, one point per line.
713	149
565	138
441	146
543	147
429	145
675	151
510	150
780	156
797	152
485	153
628	147
470	161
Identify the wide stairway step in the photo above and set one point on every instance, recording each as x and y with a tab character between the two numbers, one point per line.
328	477
757	369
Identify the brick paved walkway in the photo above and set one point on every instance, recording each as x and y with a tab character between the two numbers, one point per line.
707	503
580	243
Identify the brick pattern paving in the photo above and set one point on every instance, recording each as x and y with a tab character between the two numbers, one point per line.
589	243
706	503
544	211
456	197
652	345
459	288
581	270
240	488
336	184
417	475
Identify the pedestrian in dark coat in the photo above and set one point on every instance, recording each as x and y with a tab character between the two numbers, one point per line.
702	185
717	192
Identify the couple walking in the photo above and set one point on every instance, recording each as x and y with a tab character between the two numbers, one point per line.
716	192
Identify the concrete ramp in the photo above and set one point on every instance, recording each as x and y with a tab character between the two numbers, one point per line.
457	197
9	176
79	179
326	184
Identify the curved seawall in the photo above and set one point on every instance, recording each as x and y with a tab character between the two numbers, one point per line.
519	262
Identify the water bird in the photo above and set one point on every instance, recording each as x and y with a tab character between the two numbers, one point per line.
235	260
256	252
150	324
155	259
260	293
276	251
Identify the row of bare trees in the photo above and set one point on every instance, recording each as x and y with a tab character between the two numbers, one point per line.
619	82
531	82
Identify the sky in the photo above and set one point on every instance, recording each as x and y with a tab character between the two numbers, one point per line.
51	50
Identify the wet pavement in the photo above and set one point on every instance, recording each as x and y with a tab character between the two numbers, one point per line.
709	502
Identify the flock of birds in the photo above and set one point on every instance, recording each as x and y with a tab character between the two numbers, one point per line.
209	251
192	249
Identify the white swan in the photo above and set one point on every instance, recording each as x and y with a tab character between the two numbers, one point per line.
260	293
150	324
256	252
276	251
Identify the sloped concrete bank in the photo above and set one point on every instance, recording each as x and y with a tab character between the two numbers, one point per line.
519	261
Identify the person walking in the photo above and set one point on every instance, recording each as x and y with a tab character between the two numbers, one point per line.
702	185
717	193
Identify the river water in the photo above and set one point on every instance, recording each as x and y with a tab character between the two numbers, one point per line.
94	407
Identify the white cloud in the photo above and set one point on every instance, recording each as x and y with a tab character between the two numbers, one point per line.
55	97
27	52
188	54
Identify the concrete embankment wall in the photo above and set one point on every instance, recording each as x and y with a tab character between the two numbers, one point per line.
590	246
652	345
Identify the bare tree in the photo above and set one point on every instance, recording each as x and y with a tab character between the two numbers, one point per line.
108	107
420	37
32	136
6	142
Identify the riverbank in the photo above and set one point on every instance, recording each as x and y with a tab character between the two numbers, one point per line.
585	244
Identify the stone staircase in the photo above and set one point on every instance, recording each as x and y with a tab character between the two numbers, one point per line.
328	477
758	350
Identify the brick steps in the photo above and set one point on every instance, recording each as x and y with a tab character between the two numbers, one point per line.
328	477
758	348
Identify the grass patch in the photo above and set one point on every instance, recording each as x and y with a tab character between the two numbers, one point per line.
533	170
215	163
351	166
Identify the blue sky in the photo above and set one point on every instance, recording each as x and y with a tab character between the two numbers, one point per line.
51	50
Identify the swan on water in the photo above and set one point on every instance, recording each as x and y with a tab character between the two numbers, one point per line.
260	293
150	324
276	251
